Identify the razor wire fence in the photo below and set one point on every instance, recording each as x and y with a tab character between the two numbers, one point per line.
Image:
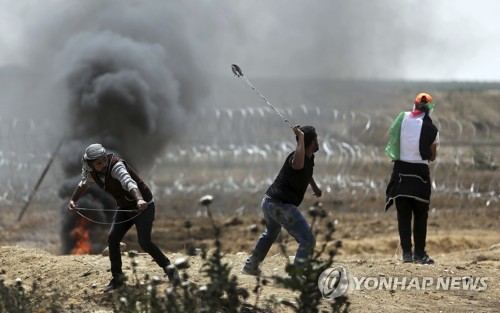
26	146
235	151
351	165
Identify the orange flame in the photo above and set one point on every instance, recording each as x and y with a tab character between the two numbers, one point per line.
81	235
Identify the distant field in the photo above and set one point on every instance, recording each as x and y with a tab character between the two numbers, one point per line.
233	146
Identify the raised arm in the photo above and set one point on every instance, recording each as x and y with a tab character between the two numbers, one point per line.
300	150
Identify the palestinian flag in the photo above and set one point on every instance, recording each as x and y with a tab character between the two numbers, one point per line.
411	134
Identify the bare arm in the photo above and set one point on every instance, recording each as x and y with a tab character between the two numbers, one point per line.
317	191
79	191
300	151
141	204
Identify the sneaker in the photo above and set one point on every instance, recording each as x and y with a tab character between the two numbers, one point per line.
115	283
249	270
172	273
251	267
407	257
423	260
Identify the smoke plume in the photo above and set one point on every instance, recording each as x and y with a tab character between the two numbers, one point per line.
123	73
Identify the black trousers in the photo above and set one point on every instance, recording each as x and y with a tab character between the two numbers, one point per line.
408	207
144	225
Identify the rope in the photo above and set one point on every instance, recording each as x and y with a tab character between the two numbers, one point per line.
106	223
88	209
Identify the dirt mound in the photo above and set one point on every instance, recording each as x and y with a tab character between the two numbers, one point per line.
80	278
464	244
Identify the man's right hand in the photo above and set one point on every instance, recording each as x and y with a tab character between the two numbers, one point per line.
297	131
72	206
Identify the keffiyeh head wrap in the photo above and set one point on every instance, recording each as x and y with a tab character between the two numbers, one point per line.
92	153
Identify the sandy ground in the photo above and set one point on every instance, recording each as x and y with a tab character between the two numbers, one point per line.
463	236
464	244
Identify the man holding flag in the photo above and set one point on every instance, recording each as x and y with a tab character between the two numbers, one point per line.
413	144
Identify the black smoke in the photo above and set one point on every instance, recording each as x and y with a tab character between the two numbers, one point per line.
129	75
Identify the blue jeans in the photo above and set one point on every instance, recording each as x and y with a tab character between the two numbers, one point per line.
288	216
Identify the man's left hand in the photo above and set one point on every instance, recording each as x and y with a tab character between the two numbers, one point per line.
318	193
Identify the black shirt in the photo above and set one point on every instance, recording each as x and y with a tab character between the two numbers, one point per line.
290	185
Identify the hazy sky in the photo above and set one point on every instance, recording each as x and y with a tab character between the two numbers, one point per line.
400	39
130	73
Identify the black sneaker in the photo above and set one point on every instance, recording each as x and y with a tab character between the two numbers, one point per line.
172	273
423	260
407	257
115	283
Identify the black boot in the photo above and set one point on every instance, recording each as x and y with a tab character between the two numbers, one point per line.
423	259
116	282
172	273
407	257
